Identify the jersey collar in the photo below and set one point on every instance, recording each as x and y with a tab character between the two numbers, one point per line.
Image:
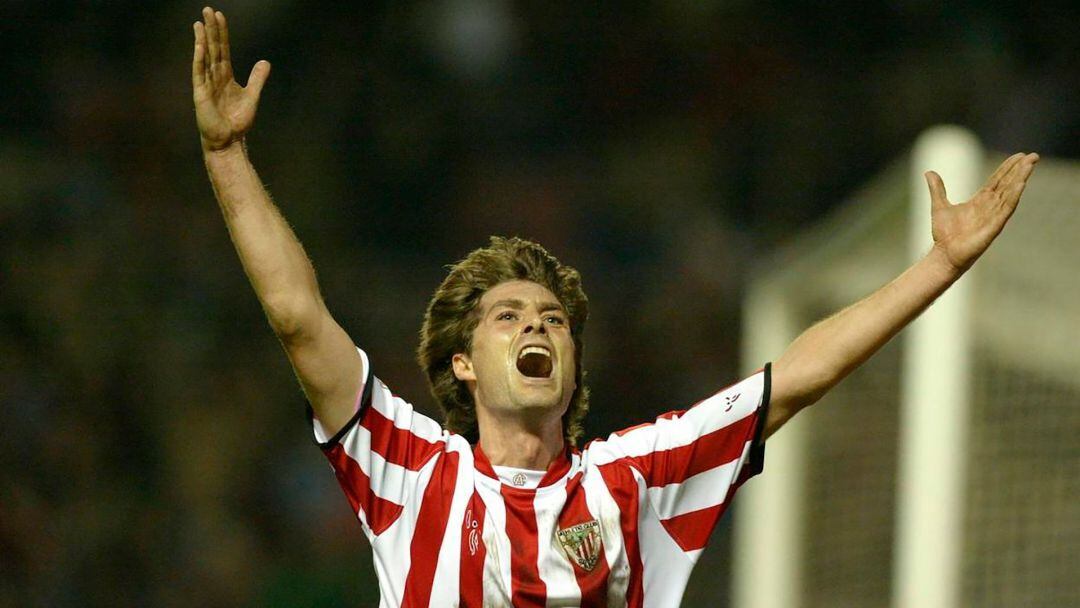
557	470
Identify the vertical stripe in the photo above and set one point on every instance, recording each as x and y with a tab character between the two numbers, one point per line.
552	562
447	583
430	528
603	506
473	554
497	575
528	590
624	490
592	583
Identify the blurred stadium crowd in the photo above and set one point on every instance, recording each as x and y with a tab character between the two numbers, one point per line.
154	448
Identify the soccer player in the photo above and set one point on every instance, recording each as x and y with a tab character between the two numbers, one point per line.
498	506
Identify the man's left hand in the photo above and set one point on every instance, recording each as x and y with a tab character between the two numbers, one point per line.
962	232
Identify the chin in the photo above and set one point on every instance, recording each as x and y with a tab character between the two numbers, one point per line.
540	393
539	401
539	396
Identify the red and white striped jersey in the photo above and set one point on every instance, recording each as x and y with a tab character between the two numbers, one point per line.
618	523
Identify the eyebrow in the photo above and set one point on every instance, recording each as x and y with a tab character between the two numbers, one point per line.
520	304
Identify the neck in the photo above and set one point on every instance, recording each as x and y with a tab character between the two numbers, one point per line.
512	443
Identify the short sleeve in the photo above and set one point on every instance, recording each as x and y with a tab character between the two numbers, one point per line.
378	454
692	461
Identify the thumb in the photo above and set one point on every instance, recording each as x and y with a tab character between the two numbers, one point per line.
258	77
937	190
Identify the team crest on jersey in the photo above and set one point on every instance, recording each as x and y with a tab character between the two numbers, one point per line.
582	544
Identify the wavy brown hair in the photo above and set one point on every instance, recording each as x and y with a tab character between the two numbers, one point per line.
453	314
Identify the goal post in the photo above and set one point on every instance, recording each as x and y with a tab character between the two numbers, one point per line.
936	395
768	515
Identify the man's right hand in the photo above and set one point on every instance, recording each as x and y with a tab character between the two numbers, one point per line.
224	110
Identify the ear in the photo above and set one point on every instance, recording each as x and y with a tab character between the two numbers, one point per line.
463	368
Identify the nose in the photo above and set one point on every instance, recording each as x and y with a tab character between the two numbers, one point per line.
537	325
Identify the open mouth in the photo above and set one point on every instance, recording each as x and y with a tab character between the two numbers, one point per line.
534	362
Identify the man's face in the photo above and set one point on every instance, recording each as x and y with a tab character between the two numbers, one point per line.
522	359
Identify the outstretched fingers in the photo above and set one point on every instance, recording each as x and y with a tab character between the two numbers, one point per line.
198	62
996	181
1010	176
213	44
223	36
1015	182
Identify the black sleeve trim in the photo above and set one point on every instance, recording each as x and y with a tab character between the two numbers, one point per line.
365	402
756	462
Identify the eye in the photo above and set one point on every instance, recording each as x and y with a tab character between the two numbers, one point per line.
506	316
555	320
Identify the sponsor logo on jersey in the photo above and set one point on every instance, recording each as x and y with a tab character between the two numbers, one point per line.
582	544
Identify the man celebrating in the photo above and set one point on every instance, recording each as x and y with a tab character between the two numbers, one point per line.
498	506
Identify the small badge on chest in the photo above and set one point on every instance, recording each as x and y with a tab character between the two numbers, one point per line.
582	544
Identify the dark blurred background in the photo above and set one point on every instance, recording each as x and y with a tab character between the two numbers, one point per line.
154	449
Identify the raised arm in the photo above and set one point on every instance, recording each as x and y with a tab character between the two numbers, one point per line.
321	353
830	350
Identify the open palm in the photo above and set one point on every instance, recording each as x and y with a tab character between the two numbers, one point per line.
964	231
224	110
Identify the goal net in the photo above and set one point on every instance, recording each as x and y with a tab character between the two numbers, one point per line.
1022	509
